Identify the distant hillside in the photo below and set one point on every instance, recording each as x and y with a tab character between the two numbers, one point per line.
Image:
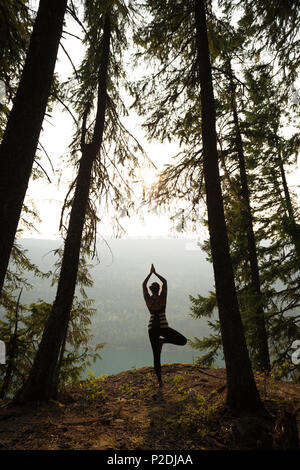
122	317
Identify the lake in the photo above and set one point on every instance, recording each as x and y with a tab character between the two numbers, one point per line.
117	360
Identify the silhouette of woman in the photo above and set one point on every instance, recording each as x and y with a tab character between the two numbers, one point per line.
158	328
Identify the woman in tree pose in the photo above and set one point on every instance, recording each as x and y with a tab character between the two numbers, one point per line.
158	328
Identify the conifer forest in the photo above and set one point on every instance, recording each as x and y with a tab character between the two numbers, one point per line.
185	112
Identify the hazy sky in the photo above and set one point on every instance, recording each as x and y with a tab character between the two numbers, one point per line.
56	136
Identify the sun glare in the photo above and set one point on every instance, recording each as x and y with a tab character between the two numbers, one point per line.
149	178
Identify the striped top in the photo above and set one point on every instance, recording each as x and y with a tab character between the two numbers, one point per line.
158	320
157	313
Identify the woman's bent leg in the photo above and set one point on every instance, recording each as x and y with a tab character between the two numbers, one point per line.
173	336
154	334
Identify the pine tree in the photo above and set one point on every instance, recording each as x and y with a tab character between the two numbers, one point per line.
15	28
176	38
99	72
274	25
257	318
268	114
242	392
264	108
20	139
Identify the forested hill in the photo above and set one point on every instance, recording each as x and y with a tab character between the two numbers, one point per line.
121	316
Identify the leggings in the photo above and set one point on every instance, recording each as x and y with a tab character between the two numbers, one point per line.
170	336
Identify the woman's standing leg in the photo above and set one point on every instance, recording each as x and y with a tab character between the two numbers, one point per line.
154	334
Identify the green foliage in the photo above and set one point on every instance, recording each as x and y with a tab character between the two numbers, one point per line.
196	418
168	97
120	154
274	25
91	388
16	328
176	381
29	322
127	391
149	384
211	346
15	28
30	325
285	370
263	104
17	277
268	385
78	353
203	306
178	385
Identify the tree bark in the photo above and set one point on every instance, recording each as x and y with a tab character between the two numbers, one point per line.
19	143
242	393
42	378
259	316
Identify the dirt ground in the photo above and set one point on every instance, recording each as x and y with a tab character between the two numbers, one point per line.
125	411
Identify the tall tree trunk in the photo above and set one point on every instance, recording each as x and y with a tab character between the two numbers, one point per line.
242	393
259	316
58	366
19	143
42	378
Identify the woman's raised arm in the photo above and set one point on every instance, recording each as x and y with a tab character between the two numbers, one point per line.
145	290
146	280
164	282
